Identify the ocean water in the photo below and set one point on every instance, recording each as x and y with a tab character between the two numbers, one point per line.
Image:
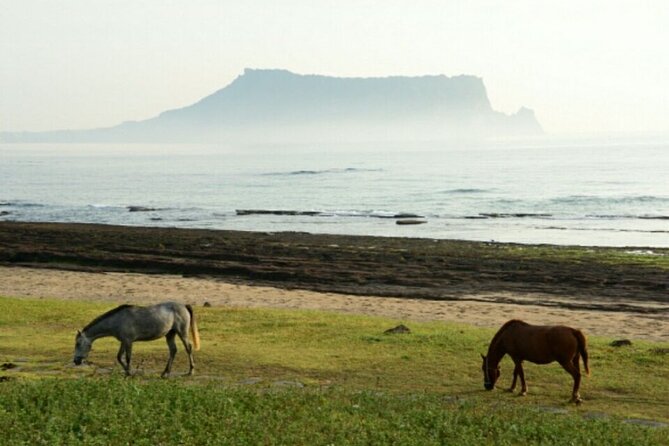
607	194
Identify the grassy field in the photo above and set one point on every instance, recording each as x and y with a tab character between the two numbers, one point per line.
298	377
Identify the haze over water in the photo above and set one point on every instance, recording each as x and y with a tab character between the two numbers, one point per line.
571	193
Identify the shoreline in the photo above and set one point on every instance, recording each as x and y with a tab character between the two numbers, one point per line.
576	278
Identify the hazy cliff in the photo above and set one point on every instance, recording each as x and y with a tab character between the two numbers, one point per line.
280	106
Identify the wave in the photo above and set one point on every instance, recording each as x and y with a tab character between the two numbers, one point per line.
290	212
105	206
275	212
644	231
321	172
627	217
379	214
486	215
173	213
467	191
598	200
21	204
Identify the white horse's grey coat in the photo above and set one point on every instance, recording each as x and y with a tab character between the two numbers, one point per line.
129	323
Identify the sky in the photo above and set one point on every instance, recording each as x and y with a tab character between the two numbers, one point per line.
585	67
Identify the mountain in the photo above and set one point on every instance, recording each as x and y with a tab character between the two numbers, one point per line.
280	106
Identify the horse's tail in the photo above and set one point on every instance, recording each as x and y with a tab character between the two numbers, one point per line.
582	349
193	329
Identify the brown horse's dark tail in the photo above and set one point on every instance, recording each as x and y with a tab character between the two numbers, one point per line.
583	349
193	329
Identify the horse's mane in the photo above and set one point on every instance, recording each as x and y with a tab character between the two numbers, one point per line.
502	329
106	315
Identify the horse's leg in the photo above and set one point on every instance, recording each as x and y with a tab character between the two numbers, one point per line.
515	375
173	351
513	383
189	349
523	384
575	371
119	357
128	354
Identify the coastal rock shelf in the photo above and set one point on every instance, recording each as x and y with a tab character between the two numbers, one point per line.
582	278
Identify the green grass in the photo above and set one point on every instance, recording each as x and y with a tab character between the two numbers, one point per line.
360	386
119	411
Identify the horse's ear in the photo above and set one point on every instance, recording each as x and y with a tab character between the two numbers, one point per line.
78	332
482	357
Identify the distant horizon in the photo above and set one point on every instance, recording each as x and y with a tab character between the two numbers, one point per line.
252	69
619	134
584	68
270	105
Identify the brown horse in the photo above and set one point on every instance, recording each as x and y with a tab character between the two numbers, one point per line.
540	344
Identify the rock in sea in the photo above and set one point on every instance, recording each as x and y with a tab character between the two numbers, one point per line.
410	222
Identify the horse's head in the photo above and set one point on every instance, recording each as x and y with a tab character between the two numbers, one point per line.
82	346
490	373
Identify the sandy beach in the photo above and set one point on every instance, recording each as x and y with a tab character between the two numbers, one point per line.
604	291
144	288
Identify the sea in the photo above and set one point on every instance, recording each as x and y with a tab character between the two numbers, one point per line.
590	193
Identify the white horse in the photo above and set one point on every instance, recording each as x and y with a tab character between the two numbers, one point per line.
130	323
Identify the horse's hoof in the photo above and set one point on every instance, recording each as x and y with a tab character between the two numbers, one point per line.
510	390
524	393
577	401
